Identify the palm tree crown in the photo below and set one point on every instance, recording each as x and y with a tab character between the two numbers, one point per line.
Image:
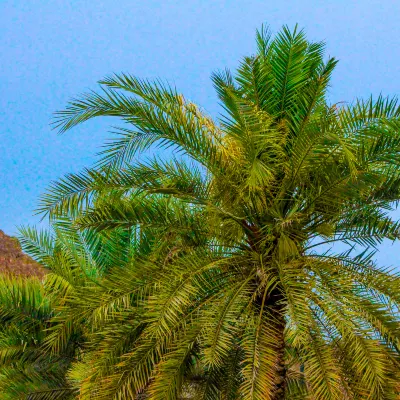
225	288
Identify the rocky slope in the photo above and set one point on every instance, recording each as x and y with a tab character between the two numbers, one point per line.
14	261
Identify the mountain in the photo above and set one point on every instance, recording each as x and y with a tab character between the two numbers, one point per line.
14	261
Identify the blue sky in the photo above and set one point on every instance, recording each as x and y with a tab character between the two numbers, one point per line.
53	50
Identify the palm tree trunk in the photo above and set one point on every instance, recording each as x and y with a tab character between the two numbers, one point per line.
274	304
280	381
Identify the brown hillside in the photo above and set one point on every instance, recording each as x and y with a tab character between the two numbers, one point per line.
14	261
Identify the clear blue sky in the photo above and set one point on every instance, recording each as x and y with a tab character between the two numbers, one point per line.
53	50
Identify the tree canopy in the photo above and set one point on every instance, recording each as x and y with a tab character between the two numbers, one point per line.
210	274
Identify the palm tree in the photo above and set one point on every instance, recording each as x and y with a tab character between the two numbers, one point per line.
34	362
26	371
229	289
